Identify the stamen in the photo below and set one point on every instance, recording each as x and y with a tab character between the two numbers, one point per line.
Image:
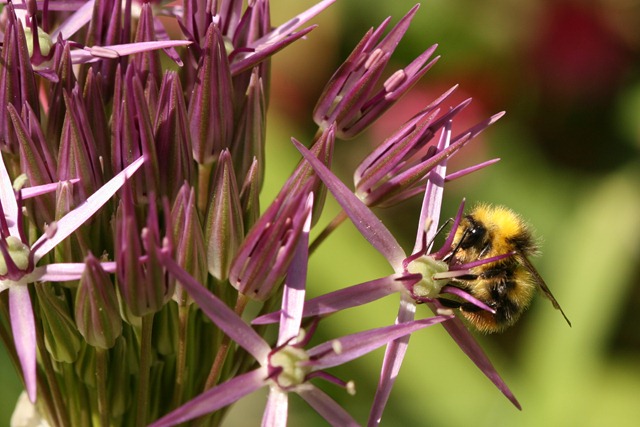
446	247
467	297
348	385
473	264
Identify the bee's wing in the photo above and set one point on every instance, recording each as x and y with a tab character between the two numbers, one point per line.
541	283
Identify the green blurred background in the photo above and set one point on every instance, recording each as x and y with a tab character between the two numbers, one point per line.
567	73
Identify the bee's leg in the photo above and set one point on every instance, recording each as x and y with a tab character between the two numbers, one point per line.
470	308
498	274
449	303
467	278
464	306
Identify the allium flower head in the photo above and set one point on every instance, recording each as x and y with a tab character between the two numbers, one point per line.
351	99
138	268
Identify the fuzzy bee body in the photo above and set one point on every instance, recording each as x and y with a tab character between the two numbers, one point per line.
506	285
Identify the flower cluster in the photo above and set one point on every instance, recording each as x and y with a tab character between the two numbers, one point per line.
131	234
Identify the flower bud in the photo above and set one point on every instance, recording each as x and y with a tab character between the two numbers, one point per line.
120	371
147	63
224	221
78	156
349	99
172	140
249	140
142	283
165	330
63	66
36	159
97	314
263	259
188	238
211	107
85	366
18	78
250	195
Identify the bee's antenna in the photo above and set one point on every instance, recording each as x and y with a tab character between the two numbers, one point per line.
444	224
455	250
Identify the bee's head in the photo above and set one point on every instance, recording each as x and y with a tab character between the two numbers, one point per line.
471	240
489	231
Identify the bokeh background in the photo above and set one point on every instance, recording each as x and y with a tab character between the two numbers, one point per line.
567	73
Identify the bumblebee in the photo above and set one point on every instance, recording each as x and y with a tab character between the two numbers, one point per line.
507	285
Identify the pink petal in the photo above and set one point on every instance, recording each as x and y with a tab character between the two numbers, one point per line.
470	169
74	219
264	51
352	296
215	398
75	22
393	357
37	190
297	21
432	201
94	53
8	199
64	272
294	287
365	221
276	411
225	318
467	297
472	349
361	343
24	335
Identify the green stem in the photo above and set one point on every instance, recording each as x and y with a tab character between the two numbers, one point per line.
145	370
181	362
101	378
223	350
56	404
79	405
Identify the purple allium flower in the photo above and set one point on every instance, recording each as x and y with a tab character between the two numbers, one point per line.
288	367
